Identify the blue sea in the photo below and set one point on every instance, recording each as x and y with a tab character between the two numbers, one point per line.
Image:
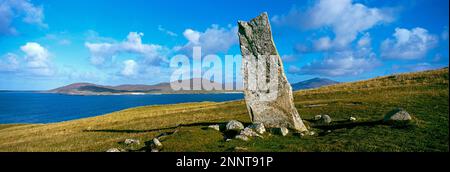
33	107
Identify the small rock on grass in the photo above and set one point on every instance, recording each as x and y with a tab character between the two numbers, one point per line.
397	115
157	143
239	149
131	141
326	119
215	127
317	117
242	137
115	150
352	118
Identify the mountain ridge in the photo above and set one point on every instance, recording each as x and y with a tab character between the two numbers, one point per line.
85	88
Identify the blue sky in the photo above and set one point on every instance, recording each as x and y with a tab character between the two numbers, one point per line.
50	43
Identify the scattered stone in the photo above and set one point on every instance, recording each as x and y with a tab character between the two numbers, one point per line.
155	150
325	119
215	127
249	133
397	115
262	67
317	117
312	133
258	127
328	131
352	118
242	137
240	148
234	125
157	143
227	140
115	150
131	141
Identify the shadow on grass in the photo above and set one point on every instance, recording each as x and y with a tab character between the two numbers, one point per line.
347	124
204	124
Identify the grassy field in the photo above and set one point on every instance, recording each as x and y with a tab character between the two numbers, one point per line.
424	95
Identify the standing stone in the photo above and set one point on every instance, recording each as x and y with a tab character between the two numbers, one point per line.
268	94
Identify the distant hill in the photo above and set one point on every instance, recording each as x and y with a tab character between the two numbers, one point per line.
94	89
313	83
165	87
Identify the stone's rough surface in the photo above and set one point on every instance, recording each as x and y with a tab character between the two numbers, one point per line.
234	125
397	115
270	103
258	127
215	127
131	141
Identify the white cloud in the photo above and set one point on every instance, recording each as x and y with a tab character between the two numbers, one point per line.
288	58
365	40
339	64
60	38
11	9
345	18
408	44
130	68
9	63
423	66
213	40
37	59
168	32
322	44
152	54
444	34
192	36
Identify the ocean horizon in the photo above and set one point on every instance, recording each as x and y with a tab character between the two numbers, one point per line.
37	107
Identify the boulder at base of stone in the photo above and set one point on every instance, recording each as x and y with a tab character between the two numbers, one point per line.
397	115
258	127
241	137
234	125
249	133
